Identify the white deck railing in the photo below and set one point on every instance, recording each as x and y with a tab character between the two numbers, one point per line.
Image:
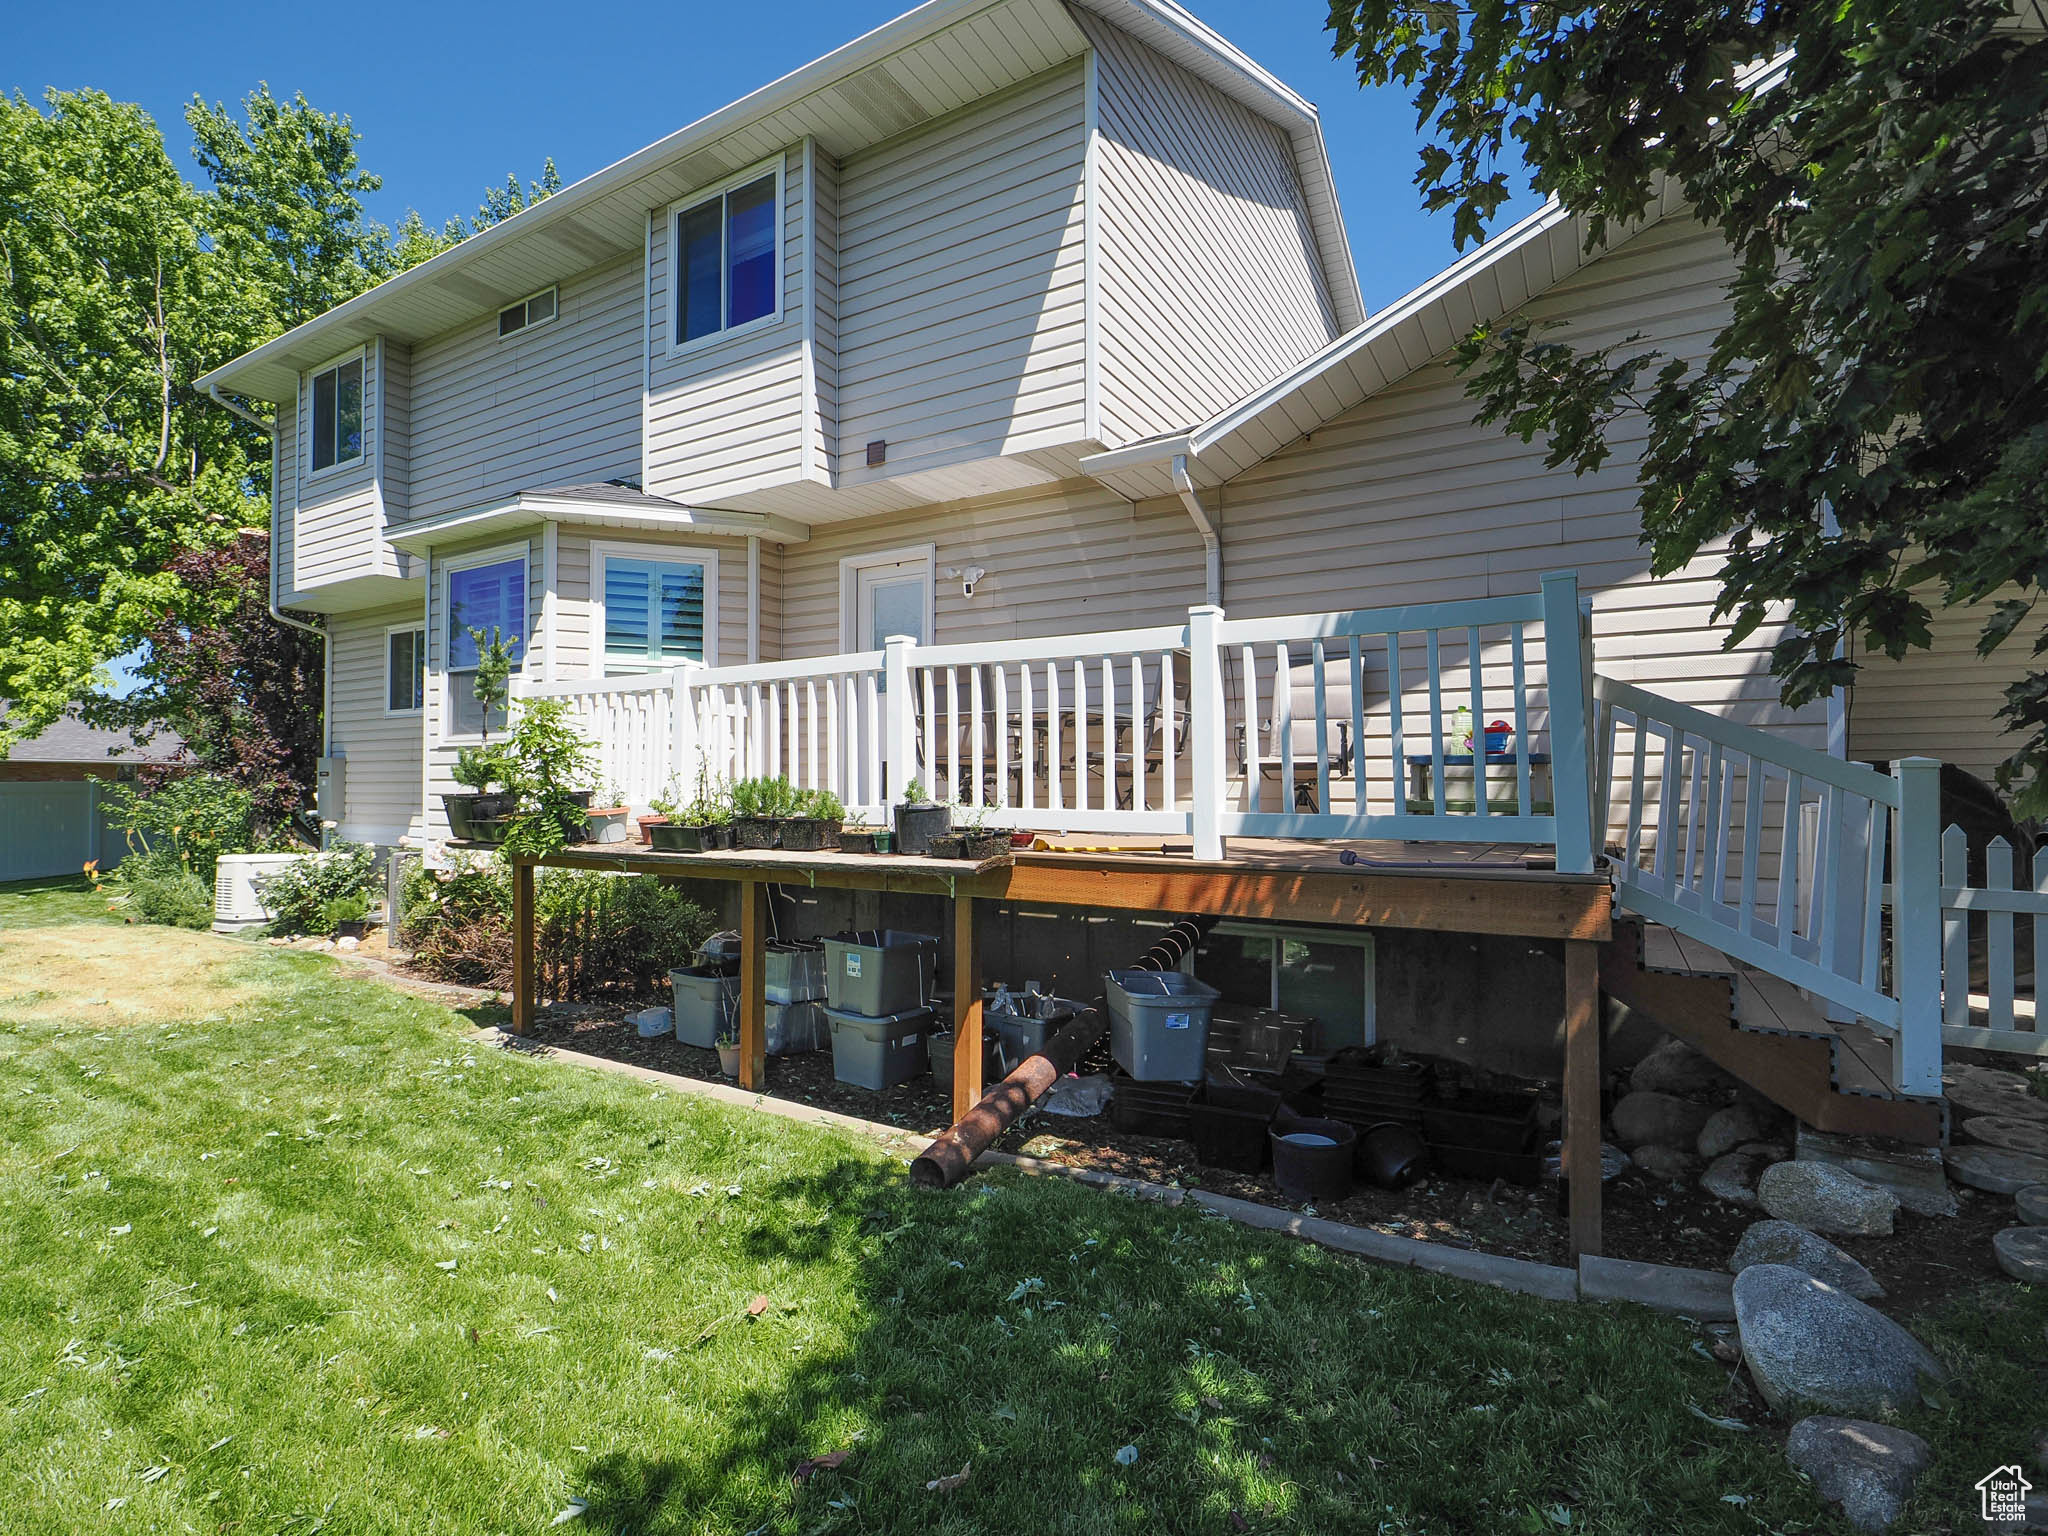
2002	1015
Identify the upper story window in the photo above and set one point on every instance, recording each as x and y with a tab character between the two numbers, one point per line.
534	309
728	268
657	612
337	434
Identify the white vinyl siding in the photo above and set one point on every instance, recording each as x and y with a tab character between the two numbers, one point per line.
339	530
1942	702
580	650
394	360
961	307
381	793
560	406
725	412
1208	283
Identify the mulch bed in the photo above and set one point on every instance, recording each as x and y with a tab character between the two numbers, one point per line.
1645	1218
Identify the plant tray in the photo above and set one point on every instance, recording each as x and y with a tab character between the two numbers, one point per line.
807	834
1486	1122
676	837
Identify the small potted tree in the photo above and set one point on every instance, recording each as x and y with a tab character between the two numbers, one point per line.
729	1049
981	841
819	814
760	809
549	757
485	770
857	836
919	819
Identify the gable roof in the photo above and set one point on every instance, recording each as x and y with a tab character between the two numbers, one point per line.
1489	281
924	64
71	740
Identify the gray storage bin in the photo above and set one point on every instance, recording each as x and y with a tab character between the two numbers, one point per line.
792	1028
939	1046
796	973
1159	1023
880	971
721	948
878	1052
705	999
1022	1035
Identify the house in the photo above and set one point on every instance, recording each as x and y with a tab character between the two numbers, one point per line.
1017	321
51	821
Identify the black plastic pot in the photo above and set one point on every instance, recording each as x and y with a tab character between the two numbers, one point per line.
1312	1158
1149	1109
466	810
677	837
917	825
985	845
947	845
807	834
1391	1155
755	831
1227	1122
1487	1122
856	840
354	930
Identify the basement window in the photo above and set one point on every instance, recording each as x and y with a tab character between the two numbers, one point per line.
534	309
1325	974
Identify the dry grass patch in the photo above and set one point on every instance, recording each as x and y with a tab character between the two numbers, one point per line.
108	974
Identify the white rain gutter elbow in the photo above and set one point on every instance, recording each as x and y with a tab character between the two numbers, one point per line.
269	429
1212	542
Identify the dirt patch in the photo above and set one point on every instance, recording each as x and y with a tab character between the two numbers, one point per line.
107	975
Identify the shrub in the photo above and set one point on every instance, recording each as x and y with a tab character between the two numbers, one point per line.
553	760
200	815
159	887
297	896
594	933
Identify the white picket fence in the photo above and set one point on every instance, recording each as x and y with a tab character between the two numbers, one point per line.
2002	1013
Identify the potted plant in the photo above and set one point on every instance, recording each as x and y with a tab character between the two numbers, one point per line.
479	768
981	841
702	826
607	822
918	819
346	917
729	1050
948	845
819	813
760	807
549	755
856	836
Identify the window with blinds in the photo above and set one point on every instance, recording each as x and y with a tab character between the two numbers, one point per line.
653	612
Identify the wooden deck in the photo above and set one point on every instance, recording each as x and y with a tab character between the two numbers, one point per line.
1493	888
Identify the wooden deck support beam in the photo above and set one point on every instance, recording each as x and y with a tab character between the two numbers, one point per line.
966	1010
523	977
753	984
1582	1092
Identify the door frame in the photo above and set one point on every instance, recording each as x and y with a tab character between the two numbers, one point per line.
850	569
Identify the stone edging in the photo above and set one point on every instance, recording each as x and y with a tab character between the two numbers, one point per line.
1697	1293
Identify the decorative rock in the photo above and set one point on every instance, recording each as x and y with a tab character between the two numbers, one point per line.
1675	1067
1643	1118
1781	1242
1995	1170
1766	1151
1732	1177
2007	1131
2023	1253
1806	1342
1868	1469
1914	1174
1822	1198
2033	1204
1727	1129
348	942
1664	1162
1985	1091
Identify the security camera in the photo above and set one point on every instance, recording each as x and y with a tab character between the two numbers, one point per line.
967	575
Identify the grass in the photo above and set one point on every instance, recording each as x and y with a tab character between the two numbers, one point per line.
315	1260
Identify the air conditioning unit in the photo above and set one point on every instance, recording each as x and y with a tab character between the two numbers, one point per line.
237	888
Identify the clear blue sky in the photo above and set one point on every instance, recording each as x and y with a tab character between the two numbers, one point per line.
449	97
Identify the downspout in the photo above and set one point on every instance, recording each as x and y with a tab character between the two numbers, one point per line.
1212	544
269	429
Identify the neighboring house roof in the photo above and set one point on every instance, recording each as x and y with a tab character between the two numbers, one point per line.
618	504
71	740
1488	282
930	61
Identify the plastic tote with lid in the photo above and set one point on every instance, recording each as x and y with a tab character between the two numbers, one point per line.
1159	1023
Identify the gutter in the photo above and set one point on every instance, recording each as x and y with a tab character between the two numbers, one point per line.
1212	543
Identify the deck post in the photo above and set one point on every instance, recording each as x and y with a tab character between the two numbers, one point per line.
1206	726
967	1084
522	947
899	732
684	746
1582	1092
1565	653
1916	927
753	984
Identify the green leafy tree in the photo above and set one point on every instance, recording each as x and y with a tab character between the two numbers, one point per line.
1869	430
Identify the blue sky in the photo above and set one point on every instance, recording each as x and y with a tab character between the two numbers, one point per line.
450	97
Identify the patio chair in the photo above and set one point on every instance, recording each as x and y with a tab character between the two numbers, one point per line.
1340	751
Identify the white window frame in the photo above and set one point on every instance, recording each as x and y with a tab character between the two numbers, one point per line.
850	568
426	672
503	309
681	554
498	554
1349	938
339	466
775	164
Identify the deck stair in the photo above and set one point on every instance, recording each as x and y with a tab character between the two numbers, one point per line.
1764	1031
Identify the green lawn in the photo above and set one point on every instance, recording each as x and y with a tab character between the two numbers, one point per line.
316	1261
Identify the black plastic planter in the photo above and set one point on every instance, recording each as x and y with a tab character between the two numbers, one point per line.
947	845
465	811
755	831
917	825
807	834
675	837
1312	1158
985	845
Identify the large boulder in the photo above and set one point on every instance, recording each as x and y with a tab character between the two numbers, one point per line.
1780	1242
2022	1252
1806	1342
1646	1119
1675	1067
2033	1204
1732	1177
1664	1162
1727	1129
1822	1198
1993	1169
1868	1469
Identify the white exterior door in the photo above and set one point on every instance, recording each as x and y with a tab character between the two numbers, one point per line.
892	599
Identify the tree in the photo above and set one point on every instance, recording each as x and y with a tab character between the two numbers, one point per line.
240	688
1870	427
